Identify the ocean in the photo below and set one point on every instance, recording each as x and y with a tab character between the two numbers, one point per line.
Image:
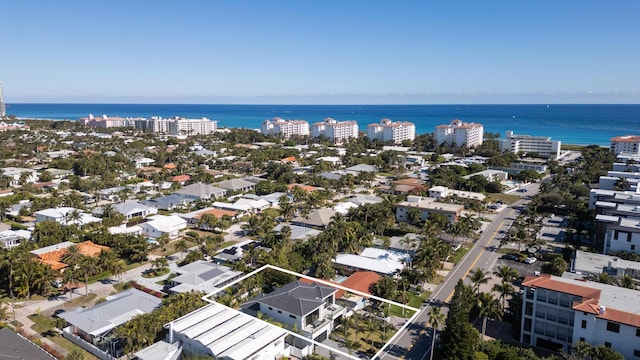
571	124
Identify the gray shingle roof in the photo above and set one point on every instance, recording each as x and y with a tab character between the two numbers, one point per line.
201	190
296	297
320	218
114	312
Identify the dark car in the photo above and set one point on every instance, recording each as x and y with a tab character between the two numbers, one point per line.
510	257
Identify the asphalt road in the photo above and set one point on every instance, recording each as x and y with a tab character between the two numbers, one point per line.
415	342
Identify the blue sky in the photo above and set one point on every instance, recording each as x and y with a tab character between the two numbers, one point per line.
332	52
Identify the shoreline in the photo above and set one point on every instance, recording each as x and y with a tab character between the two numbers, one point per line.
563	145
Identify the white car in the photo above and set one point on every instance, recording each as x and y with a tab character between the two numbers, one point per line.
530	260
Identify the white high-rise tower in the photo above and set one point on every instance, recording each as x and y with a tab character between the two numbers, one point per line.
3	109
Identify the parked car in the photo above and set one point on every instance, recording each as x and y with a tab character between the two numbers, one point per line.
530	260
510	257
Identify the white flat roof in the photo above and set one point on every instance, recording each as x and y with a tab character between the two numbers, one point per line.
226	332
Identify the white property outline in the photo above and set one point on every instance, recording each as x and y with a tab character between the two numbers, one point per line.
409	321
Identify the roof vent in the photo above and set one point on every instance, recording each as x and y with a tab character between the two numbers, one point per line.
602	310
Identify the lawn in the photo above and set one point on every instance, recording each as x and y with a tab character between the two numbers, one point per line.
170	250
79	299
44	326
458	254
505	198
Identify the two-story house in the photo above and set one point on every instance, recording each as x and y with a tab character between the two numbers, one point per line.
309	309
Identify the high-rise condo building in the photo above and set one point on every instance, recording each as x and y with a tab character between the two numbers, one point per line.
627	144
543	145
336	131
460	133
387	130
285	127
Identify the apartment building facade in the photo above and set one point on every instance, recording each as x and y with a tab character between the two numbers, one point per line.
336	131
460	133
558	312
626	144
285	127
396	132
543	145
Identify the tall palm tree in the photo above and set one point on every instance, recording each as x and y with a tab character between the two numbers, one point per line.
436	318
506	273
160	263
70	279
503	289
72	256
182	246
478	277
118	268
87	267
489	308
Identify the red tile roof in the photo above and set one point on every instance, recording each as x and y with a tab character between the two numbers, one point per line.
590	299
359	281
181	178
219	213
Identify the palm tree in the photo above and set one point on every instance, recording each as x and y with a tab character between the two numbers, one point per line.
506	273
163	241
160	263
70	279
627	282
622	184
72	256
118	268
182	246
489	308
436	318
87	267
503	289
478	276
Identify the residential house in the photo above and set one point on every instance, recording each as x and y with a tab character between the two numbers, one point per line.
318	218
310	309
234	252
13	238
28	176
380	261
111	194
158	225
299	233
64	216
133	209
52	255
200	191
202	276
168	202
194	217
237	185
91	327
223	333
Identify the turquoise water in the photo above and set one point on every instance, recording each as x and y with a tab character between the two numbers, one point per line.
573	124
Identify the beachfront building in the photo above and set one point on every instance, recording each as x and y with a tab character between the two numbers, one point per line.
105	121
396	132
460	133
627	144
558	312
336	131
184	126
285	127
542	145
12	126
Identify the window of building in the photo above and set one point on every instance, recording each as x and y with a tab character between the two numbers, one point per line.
584	324
611	326
636	353
582	339
270	308
633	247
638	332
292	316
607	344
279	312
